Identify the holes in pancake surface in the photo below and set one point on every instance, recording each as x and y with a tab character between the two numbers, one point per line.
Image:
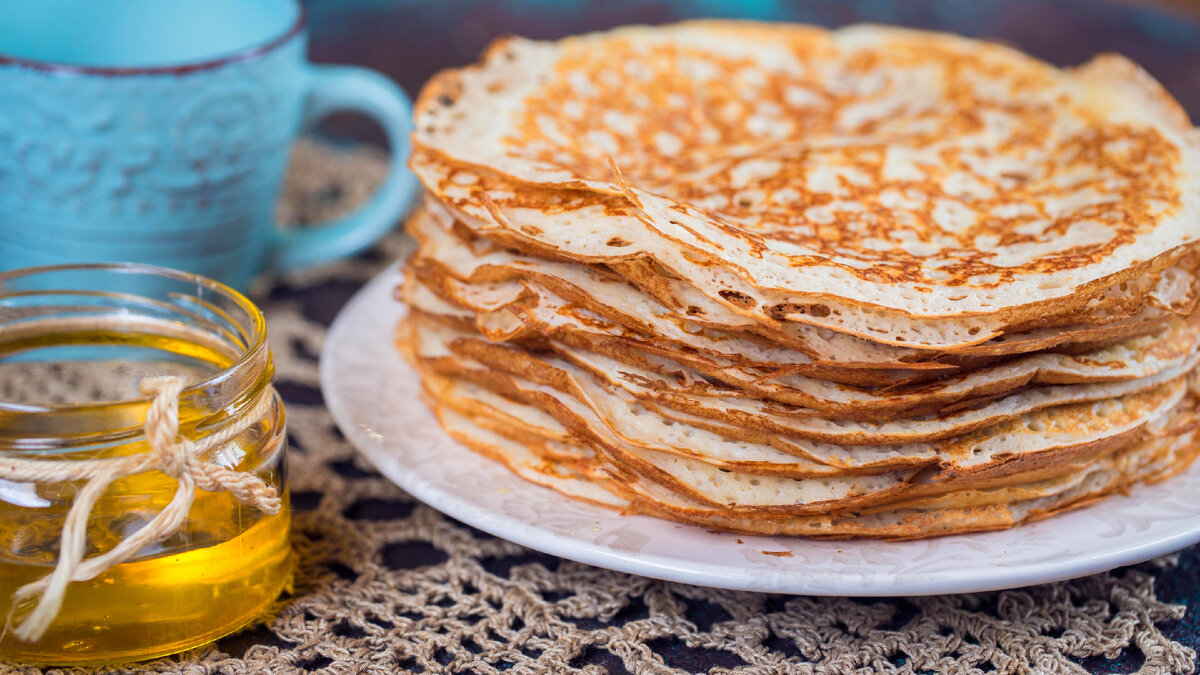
693	310
738	298
618	242
780	311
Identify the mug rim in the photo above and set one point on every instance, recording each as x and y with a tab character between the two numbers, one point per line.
248	53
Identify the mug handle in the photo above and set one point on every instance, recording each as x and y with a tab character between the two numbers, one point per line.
337	88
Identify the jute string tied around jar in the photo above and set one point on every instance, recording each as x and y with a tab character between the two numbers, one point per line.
179	458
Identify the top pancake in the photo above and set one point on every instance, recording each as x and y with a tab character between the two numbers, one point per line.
929	175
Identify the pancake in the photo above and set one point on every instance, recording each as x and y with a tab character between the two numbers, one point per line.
443	255
966	182
577	338
684	455
953	513
521	217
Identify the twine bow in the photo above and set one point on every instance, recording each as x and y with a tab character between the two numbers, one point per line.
176	457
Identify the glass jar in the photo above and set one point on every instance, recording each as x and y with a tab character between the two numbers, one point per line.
78	346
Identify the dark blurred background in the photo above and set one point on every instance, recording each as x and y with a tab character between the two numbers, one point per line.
411	39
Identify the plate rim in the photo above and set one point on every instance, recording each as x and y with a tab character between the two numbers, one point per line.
968	580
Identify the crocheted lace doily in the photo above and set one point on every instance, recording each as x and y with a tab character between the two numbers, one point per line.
387	585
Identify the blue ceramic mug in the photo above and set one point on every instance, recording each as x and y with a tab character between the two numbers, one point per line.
158	131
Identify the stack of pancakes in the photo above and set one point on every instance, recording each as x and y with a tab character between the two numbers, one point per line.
778	279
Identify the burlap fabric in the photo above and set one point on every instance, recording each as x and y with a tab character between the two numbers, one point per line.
387	585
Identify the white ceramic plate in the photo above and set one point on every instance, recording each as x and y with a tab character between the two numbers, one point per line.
374	397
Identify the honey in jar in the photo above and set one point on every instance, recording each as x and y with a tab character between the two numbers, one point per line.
77	345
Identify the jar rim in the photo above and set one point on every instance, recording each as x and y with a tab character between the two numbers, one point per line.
255	336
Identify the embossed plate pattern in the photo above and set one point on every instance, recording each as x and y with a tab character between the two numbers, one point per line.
374	397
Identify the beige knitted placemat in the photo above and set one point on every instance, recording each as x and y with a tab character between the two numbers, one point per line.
388	585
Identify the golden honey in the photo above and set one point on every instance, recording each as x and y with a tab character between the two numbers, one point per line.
161	604
68	390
